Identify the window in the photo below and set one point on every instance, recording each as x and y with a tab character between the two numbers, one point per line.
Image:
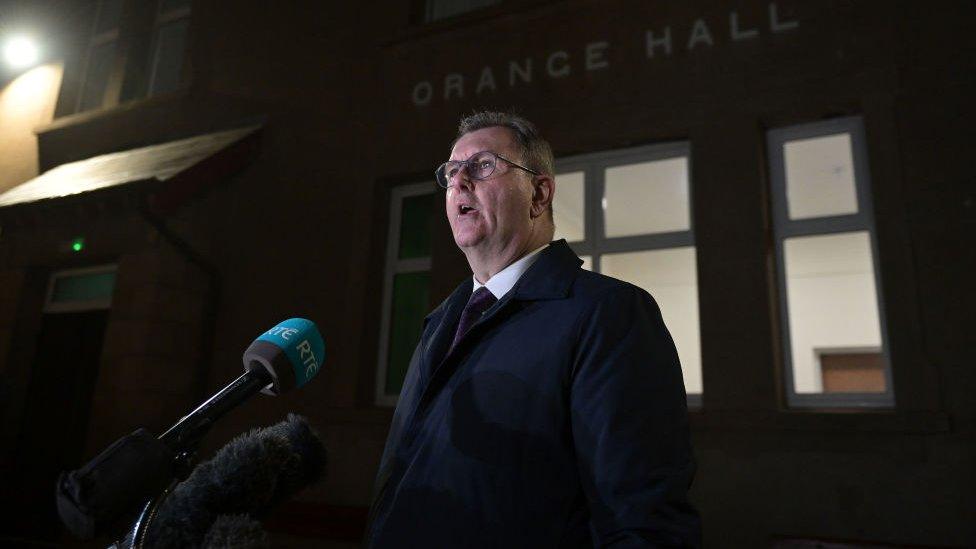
149	60
628	215
834	344
406	285
80	289
101	55
170	32
442	9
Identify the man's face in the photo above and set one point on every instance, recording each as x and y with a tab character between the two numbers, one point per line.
501	204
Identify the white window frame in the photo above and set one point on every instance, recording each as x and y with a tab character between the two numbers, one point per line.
595	243
50	306
163	18
393	266
861	221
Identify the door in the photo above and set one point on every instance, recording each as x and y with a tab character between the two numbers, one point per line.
55	423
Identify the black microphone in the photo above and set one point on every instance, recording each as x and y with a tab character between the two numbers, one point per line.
284	357
91	498
244	480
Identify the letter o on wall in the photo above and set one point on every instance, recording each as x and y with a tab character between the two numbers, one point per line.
423	92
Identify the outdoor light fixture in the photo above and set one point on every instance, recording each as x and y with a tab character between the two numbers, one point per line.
20	52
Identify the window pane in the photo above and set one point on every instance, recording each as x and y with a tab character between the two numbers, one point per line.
86	287
439	9
166	6
833	307
100	59
168	57
820	177
567	207
411	297
417	214
646	198
108	16
670	276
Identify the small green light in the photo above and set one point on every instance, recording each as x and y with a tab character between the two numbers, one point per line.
78	244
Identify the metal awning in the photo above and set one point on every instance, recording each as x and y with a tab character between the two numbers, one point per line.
156	162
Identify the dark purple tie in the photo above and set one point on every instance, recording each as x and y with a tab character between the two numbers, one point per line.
479	302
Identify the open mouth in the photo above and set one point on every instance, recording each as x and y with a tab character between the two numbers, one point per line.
464	209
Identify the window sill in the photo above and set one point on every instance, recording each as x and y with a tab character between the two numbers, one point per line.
488	14
831	421
105	113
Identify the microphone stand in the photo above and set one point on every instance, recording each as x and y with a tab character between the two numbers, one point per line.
135	536
185	436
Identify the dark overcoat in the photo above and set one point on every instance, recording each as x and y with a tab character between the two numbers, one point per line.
559	420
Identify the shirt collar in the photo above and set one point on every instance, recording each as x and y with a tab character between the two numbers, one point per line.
502	282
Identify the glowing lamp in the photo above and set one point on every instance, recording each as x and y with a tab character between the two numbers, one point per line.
20	52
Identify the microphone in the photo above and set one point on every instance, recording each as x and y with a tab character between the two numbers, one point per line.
91	498
250	475
283	358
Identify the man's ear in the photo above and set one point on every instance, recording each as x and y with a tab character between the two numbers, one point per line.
543	191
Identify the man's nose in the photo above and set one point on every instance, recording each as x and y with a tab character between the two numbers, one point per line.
462	177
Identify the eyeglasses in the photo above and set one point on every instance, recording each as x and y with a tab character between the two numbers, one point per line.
480	166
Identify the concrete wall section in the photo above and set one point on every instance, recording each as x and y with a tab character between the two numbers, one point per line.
26	103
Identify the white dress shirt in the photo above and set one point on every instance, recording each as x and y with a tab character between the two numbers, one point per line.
502	282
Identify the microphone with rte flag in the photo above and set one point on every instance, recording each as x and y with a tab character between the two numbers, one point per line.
281	359
129	475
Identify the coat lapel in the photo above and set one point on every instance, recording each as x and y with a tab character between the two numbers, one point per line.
444	320
491	315
548	278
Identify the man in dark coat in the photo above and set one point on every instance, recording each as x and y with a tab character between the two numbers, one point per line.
544	404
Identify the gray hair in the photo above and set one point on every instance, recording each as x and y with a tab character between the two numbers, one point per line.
535	151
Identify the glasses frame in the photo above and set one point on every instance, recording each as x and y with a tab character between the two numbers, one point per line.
439	174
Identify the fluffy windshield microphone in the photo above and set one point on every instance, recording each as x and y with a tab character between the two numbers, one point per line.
248	476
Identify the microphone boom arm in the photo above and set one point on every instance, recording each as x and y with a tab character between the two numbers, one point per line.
187	432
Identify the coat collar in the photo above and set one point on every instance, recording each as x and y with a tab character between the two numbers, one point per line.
548	278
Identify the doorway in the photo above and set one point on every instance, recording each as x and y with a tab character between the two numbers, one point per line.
58	404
